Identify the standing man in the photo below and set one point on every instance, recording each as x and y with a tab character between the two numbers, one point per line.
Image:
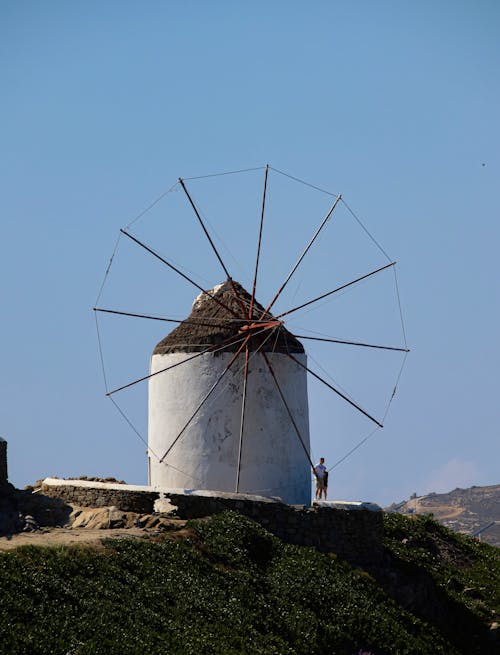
319	473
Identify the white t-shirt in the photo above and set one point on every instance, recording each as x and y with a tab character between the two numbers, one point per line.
319	469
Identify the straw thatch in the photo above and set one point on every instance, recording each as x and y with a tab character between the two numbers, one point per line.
210	324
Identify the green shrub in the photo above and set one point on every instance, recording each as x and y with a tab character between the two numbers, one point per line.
232	588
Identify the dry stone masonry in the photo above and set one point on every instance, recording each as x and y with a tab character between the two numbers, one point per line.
353	531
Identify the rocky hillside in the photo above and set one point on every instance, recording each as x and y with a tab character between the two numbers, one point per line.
462	510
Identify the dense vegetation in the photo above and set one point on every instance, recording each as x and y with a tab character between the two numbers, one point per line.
462	574
228	586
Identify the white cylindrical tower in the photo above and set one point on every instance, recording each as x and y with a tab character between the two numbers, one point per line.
202	439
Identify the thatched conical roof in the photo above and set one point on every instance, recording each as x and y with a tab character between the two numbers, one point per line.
211	324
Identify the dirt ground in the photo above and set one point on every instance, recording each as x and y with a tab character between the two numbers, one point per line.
67	537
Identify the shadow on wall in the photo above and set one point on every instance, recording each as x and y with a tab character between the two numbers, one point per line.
23	511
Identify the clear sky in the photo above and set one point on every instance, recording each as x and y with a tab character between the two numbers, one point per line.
393	104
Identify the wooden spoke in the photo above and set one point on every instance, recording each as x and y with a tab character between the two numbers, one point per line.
316	234
289	412
179	272
339	393
204	400
212	244
329	293
211	349
242	422
213	387
160	318
250	311
351	343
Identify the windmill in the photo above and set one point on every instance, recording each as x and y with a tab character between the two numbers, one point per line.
228	403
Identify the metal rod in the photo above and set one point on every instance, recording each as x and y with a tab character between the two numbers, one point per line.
297	179
197	213
399	305
159	318
354	448
351	343
207	396
362	226
329	293
241	170
288	409
242	422
250	311
155	254
101	354
339	393
325	220
225	344
131	425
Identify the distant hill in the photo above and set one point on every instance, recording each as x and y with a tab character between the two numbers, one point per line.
462	510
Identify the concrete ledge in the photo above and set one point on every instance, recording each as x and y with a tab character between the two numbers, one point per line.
116	486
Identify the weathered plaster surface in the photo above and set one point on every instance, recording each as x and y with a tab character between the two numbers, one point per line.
273	462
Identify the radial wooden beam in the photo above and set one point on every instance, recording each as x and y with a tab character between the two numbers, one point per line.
339	393
160	318
179	272
197	214
242	421
289	412
213	387
204	400
329	293
254	285
212	244
351	343
304	253
225	344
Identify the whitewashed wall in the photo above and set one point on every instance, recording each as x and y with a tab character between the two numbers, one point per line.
205	457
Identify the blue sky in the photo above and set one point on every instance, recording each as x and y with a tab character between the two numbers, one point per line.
393	104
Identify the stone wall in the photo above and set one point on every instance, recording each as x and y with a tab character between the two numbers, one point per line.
3	461
141	502
355	534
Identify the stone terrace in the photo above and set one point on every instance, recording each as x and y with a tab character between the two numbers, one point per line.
354	531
